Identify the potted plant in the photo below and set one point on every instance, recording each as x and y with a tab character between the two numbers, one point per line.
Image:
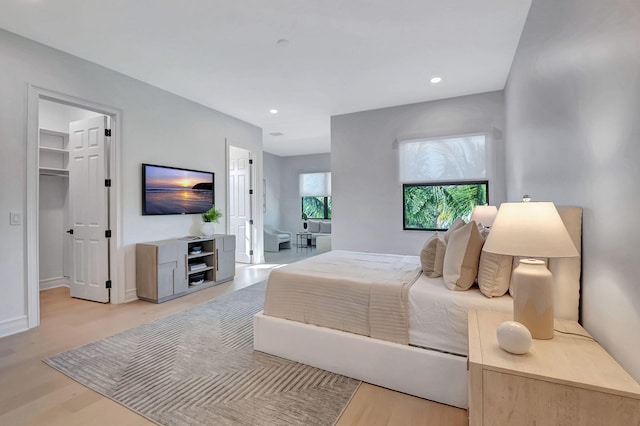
304	218
209	218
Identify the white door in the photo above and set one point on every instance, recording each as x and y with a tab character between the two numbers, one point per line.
88	209
240	202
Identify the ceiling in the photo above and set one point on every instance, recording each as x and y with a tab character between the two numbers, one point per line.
342	55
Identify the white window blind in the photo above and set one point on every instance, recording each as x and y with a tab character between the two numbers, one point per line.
315	184
458	158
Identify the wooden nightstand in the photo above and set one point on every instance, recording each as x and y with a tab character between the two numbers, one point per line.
568	380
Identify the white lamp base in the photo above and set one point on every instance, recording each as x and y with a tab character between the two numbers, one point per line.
533	298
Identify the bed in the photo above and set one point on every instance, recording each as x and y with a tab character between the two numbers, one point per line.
429	360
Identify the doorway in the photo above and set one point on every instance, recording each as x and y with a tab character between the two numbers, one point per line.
241	202
72	200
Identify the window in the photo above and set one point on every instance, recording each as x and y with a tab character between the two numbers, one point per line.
435	206
443	179
316	207
315	190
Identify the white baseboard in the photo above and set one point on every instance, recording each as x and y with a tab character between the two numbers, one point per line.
130	295
54	283
14	325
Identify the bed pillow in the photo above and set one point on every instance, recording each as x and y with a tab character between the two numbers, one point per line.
457	224
325	227
432	256
494	274
514	265
313	226
462	257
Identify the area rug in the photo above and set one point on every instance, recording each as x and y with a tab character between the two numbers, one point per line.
198	367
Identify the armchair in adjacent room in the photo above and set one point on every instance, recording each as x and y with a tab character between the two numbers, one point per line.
275	239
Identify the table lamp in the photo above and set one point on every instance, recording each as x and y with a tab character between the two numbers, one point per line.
531	230
484	215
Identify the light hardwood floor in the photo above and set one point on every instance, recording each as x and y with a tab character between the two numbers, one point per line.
32	393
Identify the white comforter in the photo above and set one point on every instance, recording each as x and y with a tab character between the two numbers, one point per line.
362	293
438	316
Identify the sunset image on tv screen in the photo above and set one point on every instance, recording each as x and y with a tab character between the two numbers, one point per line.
176	191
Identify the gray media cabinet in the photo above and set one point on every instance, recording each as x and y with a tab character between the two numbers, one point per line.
172	268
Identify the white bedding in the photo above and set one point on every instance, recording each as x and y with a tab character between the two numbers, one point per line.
438	316
361	293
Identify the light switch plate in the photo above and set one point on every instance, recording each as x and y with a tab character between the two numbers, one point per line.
15	218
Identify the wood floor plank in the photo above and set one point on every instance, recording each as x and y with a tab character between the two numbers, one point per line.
32	393
376	406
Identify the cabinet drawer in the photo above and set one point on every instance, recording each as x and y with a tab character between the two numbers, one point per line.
513	400
167	253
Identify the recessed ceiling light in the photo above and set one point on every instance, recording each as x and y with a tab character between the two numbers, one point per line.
283	42
273	111
436	80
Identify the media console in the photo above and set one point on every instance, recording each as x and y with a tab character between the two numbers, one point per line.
172	268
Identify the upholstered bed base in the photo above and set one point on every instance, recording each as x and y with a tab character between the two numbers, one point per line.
424	373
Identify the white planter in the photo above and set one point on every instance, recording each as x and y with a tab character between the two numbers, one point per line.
208	228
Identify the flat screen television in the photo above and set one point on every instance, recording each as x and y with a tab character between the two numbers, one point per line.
170	190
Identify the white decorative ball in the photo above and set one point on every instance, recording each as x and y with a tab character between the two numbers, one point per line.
514	337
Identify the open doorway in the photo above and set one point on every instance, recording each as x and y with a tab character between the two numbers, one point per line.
73	200
241	202
71	203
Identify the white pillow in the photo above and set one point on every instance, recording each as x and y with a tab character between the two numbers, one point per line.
457	224
494	274
313	226
432	256
462	257
325	227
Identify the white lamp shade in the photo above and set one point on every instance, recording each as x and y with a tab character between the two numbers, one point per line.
484	215
531	229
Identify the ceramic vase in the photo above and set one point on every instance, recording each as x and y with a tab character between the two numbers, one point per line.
207	228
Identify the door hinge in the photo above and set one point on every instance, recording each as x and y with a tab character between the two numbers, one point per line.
107	284
250	221
107	132
107	233
107	183
251	192
250	161
250	252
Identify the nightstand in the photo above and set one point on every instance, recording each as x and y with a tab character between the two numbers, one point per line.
567	380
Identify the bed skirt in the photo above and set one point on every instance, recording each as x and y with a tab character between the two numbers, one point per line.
428	374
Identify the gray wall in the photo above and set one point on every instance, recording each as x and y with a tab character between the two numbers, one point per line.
286	170
573	109
157	127
367	194
273	177
52	209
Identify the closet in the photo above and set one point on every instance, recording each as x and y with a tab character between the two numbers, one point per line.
55	240
54	247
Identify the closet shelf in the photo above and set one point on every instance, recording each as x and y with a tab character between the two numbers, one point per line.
51	149
52	171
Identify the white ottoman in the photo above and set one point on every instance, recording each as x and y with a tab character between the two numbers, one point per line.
323	243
